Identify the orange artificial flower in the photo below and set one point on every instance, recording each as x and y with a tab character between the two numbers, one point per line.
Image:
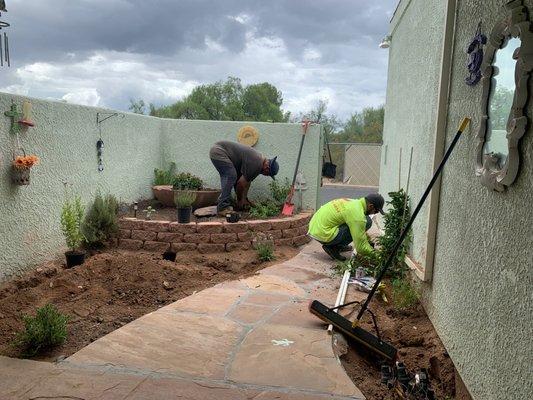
25	162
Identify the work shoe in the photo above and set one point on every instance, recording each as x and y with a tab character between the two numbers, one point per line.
223	212
346	249
334	253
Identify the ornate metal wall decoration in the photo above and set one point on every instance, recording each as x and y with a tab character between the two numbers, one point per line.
475	57
500	124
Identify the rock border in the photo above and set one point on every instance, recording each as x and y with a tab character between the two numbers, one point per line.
212	236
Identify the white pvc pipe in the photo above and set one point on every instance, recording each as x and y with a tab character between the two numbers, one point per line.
341	295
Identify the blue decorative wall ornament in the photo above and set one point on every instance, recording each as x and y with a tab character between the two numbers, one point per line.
475	57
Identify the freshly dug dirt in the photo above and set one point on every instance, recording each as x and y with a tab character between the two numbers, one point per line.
113	288
412	333
170	213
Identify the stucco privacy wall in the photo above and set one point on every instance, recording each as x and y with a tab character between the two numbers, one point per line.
480	297
414	60
187	143
65	138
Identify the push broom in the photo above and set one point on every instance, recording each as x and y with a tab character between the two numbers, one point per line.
352	329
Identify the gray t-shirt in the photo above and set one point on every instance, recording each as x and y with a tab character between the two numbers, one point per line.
247	161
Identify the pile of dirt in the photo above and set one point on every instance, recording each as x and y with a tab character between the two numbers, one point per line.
113	288
418	344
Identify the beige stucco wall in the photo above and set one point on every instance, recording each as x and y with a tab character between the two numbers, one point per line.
480	297
65	138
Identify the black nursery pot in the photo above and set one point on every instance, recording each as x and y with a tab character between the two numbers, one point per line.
74	258
184	215
169	255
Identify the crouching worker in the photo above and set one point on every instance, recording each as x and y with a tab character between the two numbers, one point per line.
341	221
238	165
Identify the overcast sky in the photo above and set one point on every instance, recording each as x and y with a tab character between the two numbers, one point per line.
105	52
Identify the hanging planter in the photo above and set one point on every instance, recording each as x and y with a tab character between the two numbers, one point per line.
21	168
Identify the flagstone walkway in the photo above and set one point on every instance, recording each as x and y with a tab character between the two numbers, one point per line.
247	339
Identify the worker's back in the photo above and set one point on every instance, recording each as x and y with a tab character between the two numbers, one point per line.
325	223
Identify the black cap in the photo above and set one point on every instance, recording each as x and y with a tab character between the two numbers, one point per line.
376	200
273	167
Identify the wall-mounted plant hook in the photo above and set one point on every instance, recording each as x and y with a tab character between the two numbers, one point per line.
104	116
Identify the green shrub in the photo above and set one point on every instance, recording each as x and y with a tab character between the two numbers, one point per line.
46	330
265	251
265	209
395	221
187	181
71	220
184	199
101	221
404	294
280	191
165	177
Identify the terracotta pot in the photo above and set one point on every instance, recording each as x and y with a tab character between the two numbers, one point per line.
20	176
204	198
164	194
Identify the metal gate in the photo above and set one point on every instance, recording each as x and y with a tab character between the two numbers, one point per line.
357	164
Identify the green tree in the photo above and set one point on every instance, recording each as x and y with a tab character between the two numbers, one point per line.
262	102
137	106
227	101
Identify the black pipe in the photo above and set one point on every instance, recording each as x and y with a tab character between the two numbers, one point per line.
405	231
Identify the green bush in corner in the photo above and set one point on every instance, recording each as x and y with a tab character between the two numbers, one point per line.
101	221
47	329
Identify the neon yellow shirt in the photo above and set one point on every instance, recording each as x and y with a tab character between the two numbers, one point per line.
324	225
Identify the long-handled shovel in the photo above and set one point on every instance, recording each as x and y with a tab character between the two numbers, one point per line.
288	206
352	329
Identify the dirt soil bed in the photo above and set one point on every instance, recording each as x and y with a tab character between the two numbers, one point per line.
170	213
412	333
113	288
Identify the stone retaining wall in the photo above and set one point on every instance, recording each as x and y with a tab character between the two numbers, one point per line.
210	237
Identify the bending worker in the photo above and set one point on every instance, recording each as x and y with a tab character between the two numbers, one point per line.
341	221
238	165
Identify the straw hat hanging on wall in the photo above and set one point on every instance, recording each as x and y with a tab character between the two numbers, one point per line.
248	135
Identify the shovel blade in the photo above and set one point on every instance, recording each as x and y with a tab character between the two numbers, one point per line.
288	209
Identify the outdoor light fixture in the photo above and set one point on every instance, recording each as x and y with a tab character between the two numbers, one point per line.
135	208
385	42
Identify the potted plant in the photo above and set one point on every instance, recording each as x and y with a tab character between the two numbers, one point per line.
184	201
21	168
71	221
185	181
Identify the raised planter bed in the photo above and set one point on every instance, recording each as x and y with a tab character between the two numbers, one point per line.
204	198
212	236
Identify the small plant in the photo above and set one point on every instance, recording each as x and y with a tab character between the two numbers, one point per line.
165	177
265	209
264	245
367	262
149	211
101	221
25	162
280	191
187	181
265	252
71	221
46	330
404	294
395	220
184	199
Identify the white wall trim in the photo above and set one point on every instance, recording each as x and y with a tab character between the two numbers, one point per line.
440	135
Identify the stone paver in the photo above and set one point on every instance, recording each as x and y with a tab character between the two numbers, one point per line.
180	343
252	338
